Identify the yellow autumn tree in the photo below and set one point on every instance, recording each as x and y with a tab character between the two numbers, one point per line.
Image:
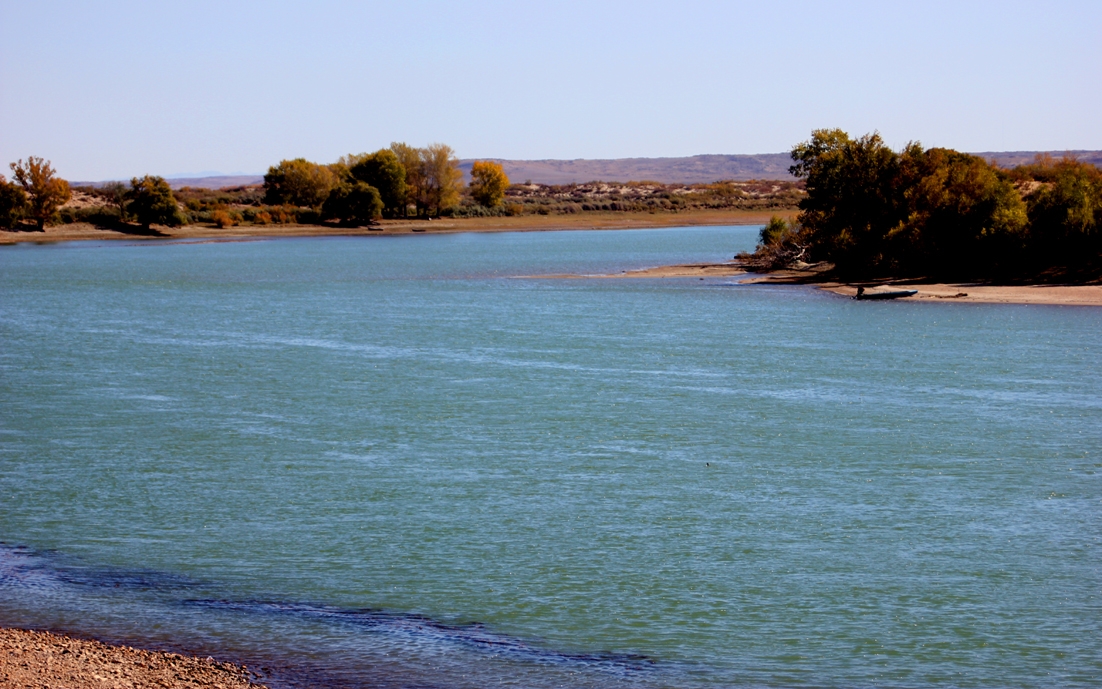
46	192
442	178
488	183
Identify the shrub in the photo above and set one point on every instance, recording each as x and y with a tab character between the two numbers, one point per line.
222	219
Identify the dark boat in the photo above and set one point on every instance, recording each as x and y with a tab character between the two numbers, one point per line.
862	295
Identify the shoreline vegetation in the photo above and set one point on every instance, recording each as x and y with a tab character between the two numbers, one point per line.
36	658
937	215
372	191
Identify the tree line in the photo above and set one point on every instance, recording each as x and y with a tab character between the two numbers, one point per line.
392	182
398	181
935	212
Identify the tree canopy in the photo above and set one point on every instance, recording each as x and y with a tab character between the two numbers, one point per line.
298	182
442	178
45	192
384	171
488	183
353	203
13	200
937	213
150	201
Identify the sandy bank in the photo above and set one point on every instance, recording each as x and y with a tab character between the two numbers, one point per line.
527	223
940	292
1056	295
41	659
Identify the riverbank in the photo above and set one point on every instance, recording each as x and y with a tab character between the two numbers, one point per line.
611	220
42	659
941	292
945	292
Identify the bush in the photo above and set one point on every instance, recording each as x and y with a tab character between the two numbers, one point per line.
100	216
222	219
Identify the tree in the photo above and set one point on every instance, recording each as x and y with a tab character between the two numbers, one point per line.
150	200
852	197
353	203
1066	213
298	182
45	192
960	216
13	201
115	194
488	183
410	159
386	173
442	178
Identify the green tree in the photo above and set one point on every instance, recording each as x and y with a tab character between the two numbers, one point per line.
442	178
150	201
353	203
1066	214
961	216
298	182
13	201
46	192
488	183
384	171
852	201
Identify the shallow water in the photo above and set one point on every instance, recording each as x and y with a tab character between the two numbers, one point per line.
383	461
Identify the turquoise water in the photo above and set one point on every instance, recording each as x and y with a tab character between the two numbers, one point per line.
386	462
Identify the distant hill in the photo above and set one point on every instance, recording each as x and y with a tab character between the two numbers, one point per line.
690	170
1009	159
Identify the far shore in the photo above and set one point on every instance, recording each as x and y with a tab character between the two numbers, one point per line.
590	220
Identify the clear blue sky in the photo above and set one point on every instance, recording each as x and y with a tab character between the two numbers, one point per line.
116	89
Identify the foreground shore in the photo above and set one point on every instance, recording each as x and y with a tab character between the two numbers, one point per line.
526	223
41	659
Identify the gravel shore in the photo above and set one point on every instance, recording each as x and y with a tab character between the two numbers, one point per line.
40	659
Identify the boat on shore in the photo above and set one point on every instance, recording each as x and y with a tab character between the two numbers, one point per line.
862	295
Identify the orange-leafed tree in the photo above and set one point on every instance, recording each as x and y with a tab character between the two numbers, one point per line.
488	183
46	192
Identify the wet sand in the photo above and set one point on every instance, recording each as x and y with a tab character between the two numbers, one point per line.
41	659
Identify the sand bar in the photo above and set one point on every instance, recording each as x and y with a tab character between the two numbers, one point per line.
41	659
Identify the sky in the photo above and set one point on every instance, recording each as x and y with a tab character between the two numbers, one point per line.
110	90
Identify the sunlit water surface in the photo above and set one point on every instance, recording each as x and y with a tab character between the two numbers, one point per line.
385	462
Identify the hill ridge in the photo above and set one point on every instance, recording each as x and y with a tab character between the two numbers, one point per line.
698	169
